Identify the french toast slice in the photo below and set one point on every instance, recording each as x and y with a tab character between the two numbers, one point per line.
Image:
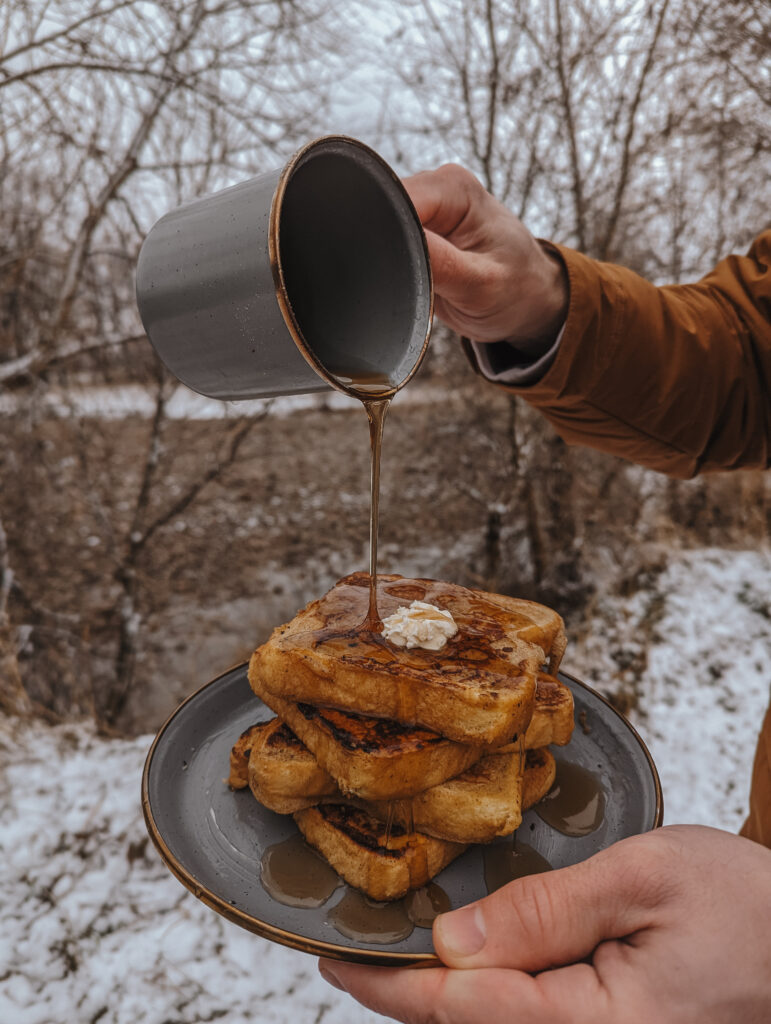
484	802
539	776
553	716
477	690
285	777
280	770
476	806
383	863
372	758
481	803
239	756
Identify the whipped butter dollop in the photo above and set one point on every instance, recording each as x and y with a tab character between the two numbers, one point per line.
419	625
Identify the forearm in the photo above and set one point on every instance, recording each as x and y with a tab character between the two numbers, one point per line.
676	378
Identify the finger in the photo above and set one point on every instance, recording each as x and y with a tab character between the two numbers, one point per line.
444	197
571	995
560	917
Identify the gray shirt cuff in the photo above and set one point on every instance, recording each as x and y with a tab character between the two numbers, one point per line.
501	361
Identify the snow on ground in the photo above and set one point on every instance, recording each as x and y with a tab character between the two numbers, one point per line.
702	631
94	928
116	402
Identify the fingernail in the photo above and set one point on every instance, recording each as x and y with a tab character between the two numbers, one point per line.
462	933
331	979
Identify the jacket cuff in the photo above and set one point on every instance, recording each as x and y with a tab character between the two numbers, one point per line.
503	362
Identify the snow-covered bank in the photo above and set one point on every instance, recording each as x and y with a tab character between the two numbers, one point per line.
93	928
699	639
117	402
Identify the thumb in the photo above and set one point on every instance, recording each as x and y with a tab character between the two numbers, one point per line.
560	917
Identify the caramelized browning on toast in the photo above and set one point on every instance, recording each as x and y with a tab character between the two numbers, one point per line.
540	773
239	756
553	717
356	845
367	831
281	736
361	732
477	690
477	805
551	722
372	772
282	773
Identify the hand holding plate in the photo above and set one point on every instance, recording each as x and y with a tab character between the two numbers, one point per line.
669	926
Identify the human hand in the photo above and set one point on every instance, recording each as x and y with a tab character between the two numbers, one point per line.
673	926
492	279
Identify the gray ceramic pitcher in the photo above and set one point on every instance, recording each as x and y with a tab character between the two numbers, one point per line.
291	282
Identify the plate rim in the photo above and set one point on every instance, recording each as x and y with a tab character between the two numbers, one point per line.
320	947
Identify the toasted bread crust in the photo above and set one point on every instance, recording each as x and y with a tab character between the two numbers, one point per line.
476	806
357	848
483	802
239	756
372	773
283	774
540	773
553	717
478	689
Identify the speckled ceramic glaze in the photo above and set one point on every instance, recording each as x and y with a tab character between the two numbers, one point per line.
275	285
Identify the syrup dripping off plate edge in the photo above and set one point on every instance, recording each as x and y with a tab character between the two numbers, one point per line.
212	838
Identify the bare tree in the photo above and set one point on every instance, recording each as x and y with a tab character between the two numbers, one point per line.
111	112
637	132
120	110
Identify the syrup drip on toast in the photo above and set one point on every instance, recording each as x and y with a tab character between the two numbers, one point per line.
390	821
374	390
376	410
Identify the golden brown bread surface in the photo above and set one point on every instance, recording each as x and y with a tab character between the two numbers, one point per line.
282	773
540	772
552	722
479	689
375	759
383	866
553	717
477	805
474	807
239	757
285	776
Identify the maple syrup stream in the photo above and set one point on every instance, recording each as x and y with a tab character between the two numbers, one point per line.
290	871
376	409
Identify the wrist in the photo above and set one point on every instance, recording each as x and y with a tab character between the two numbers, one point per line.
548	297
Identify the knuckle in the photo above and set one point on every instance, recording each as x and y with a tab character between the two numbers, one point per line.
648	865
492	284
437	1011
531	906
459	177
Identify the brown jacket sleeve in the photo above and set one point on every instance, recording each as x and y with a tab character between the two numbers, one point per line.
675	378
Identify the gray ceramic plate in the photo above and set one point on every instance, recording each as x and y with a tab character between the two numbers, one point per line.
212	838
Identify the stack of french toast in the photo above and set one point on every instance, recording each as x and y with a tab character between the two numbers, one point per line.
393	759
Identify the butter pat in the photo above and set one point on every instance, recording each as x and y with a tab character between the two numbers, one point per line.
419	625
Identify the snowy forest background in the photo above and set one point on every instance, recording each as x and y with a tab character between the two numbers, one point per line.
150	539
